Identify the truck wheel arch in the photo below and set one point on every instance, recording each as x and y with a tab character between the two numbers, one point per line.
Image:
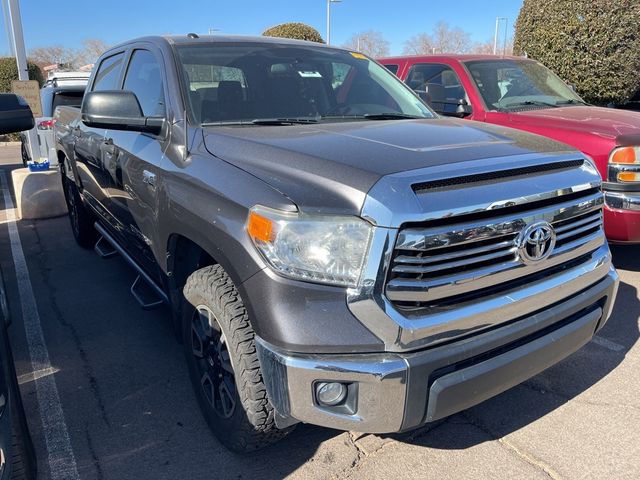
184	256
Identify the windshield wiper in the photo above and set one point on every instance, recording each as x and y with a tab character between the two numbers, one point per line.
571	101
263	121
376	116
389	116
283	121
538	103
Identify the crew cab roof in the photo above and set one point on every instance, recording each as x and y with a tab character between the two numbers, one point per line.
450	57
205	39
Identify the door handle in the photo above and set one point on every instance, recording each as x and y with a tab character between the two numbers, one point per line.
149	178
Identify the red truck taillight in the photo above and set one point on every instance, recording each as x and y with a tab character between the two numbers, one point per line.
46	124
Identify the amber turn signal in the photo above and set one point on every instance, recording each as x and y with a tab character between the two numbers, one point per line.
260	228
628	177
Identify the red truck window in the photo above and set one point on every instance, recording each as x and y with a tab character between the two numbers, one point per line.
392	68
438	85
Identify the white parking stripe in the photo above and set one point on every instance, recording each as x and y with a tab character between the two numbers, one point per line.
603	342
62	461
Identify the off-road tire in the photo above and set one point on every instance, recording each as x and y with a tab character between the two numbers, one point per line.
81	219
23	464
23	153
252	426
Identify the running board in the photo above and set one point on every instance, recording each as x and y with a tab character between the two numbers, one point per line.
146	292
104	249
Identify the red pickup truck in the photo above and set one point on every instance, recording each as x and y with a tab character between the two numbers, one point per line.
521	93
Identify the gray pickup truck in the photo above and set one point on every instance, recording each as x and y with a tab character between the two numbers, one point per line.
331	250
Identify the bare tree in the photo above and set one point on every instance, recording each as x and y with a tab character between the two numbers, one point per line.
370	42
92	48
443	39
421	44
450	40
53	54
483	48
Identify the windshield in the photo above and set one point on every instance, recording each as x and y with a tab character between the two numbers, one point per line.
509	84
271	84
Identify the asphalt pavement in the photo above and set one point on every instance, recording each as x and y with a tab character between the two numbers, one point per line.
124	409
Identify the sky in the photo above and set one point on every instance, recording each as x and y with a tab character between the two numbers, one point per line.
68	22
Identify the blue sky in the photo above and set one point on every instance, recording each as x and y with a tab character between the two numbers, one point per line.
68	22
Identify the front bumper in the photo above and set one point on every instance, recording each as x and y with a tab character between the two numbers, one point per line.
391	392
622	216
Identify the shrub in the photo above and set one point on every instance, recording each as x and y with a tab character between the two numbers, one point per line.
299	31
9	72
591	44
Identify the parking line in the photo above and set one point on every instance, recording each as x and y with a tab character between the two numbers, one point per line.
62	461
603	342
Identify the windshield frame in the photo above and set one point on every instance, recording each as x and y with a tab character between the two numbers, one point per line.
519	60
193	121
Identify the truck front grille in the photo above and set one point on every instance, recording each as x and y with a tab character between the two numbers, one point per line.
438	261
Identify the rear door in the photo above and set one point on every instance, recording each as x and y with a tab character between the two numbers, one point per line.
90	143
133	160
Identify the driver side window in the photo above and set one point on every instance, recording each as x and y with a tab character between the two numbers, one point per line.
144	78
438	85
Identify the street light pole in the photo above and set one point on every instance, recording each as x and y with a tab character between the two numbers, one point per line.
329	2
495	36
12	11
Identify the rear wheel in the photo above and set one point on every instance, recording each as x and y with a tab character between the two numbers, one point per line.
223	364
81	219
23	153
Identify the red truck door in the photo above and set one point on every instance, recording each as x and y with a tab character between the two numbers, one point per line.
444	86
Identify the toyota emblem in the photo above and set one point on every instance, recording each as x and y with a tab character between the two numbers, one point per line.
536	242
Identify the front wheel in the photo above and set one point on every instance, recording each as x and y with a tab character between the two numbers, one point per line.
223	363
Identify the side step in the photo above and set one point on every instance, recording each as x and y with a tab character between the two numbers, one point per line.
145	295
144	289
104	249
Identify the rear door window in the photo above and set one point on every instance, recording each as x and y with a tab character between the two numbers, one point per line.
438	85
108	75
392	68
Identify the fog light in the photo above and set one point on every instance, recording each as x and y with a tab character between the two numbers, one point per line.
331	393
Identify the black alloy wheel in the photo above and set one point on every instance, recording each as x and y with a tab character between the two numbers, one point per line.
213	362
72	205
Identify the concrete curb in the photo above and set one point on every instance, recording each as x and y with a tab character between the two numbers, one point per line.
38	194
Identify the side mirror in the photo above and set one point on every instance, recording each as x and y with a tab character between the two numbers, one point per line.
463	109
15	114
117	110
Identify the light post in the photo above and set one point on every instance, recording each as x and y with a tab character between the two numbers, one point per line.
13	22
329	2
495	36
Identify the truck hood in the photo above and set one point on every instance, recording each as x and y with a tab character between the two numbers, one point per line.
330	167
605	122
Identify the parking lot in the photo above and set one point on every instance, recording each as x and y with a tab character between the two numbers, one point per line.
127	407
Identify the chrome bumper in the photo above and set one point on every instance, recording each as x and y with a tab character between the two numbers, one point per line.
622	200
400	391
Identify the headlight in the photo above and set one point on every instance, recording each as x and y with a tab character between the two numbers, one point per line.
626	161
316	248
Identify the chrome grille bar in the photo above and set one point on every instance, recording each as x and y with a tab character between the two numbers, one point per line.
432	264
